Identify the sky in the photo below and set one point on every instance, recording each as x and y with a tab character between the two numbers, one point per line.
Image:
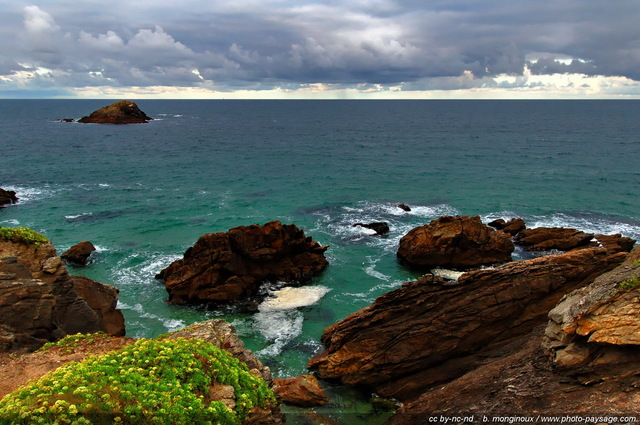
300	49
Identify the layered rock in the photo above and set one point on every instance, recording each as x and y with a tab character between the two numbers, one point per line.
7	197
303	391
41	302
229	267
121	112
454	242
430	331
548	238
512	227
79	253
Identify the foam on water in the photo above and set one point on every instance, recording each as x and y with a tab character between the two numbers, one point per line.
12	222
168	323
28	194
277	328
290	297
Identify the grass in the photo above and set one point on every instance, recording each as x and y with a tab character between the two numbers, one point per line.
22	235
68	344
629	283
149	382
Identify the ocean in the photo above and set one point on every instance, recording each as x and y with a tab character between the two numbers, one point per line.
144	193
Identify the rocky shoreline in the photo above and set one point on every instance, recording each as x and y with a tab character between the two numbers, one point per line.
549	334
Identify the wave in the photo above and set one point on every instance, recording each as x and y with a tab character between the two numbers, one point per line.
27	194
170	324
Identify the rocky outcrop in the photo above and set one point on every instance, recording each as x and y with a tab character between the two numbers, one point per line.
303	391
380	227
404	207
614	243
430	331
454	242
223	335
41	302
121	112
229	267
598	324
512	227
79	253
7	197
548	238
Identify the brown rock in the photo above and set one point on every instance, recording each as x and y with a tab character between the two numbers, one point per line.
616	243
7	197
457	242
512	227
121	112
79	253
223	335
547	238
428	331
223	268
102	299
303	391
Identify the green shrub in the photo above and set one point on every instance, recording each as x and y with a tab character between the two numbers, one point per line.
630	283
67	344
22	235
149	382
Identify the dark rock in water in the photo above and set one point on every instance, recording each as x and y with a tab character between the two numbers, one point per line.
7	197
404	207
79	253
547	238
121	112
303	391
454	242
380	228
429	331
67	120
223	268
512	227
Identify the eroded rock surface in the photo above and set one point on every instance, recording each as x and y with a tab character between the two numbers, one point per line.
303	391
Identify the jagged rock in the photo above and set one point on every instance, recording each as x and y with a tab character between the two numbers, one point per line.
512	227
223	335
547	238
615	243
454	242
79	253
429	331
404	207
121	112
229	267
7	197
41	302
303	391
380	228
599	323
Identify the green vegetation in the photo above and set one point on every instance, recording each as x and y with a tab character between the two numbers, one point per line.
67	344
149	382
636	263
630	283
22	235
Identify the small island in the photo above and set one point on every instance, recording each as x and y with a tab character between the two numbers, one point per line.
120	112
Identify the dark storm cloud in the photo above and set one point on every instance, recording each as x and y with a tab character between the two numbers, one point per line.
283	42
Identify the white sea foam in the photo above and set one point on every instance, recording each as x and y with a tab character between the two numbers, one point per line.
371	270
76	216
277	328
447	273
12	222
29	194
289	298
169	324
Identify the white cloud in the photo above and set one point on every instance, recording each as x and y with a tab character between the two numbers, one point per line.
37	21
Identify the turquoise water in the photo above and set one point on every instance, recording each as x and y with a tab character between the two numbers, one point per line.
144	193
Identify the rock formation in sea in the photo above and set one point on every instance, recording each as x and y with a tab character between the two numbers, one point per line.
223	268
380	227
430	331
583	363
303	391
120	112
79	253
454	242
512	227
404	207
41	302
7	197
548	238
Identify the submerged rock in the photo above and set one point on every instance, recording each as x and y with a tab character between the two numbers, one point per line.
404	207
121	112
454	242
430	331
7	197
223	268
380	228
79	253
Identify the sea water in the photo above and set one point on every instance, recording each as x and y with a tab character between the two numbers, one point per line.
144	193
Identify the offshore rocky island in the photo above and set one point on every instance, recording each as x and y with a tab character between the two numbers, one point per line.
548	335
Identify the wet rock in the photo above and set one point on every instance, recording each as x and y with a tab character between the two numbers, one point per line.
121	112
380	228
430	331
512	227
615	243
303	391
454	242
404	207
79	253
223	268
548	238
7	197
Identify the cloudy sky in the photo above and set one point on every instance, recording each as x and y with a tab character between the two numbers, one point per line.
320	49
